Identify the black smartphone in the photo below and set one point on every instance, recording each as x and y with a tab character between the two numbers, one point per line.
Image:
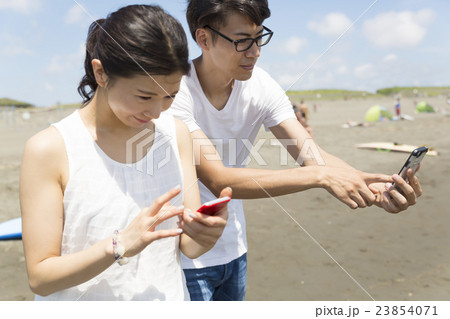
412	162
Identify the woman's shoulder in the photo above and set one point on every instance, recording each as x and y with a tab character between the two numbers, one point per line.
182	132
167	119
181	128
46	144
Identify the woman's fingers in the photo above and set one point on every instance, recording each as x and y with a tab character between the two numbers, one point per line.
159	234
164	214
160	201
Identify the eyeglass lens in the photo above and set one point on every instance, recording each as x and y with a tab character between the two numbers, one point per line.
245	44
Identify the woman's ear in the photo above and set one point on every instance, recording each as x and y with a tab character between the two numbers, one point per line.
204	40
100	76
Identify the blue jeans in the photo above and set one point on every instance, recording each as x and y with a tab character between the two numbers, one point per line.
218	283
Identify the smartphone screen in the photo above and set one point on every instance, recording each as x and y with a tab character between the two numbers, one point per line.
413	161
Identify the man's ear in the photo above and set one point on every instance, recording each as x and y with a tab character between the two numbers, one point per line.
100	76
204	40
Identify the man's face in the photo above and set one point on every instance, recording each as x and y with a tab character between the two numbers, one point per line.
233	64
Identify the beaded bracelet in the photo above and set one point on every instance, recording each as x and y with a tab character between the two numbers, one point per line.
119	250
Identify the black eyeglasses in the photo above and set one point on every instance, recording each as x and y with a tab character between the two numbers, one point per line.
245	44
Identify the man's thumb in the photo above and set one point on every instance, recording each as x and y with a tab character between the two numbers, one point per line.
377	178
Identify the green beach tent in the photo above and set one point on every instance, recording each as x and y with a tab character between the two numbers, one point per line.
377	113
424	107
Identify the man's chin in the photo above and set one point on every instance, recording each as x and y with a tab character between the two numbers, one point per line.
244	77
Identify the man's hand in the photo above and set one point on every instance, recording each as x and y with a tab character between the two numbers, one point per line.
393	200
350	186
205	230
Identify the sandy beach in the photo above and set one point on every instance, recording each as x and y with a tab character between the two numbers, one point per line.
308	246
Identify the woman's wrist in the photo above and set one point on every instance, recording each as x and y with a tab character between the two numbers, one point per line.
119	249
109	249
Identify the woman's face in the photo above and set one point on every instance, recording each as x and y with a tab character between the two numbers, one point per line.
138	100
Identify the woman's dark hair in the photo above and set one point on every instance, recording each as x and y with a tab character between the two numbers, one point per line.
137	39
215	12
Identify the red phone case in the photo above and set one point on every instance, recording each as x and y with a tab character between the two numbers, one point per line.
212	207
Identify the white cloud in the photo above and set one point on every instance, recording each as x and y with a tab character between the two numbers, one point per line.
341	70
398	29
48	87
57	64
63	63
75	15
14	46
15	50
21	6
365	71
334	24
321	79
294	44
287	80
390	57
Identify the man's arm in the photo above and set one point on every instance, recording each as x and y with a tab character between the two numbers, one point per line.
346	184
301	147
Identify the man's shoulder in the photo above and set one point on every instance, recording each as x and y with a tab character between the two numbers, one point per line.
259	72
260	78
191	76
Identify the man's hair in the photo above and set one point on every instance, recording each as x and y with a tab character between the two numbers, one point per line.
215	12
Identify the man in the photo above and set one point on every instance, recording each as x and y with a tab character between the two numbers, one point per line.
226	99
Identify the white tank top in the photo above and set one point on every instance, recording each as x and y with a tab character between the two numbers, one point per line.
103	195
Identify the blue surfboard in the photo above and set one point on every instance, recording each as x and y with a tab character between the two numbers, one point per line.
11	229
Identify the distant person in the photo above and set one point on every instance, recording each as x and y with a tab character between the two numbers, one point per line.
351	123
301	112
87	207
398	108
304	110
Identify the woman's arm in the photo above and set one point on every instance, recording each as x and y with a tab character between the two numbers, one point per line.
44	174
201	232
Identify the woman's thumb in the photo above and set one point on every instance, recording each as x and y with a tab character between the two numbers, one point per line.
226	192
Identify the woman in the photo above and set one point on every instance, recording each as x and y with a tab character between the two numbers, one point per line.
96	186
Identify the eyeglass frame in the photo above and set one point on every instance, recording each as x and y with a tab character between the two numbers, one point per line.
236	42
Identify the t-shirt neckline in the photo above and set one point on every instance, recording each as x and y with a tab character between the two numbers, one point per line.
228	106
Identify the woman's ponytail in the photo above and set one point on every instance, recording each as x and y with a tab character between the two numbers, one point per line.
88	84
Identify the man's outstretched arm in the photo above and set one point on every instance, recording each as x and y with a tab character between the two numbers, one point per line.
345	183
305	151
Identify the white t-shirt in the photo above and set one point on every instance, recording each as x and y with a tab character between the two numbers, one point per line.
232	130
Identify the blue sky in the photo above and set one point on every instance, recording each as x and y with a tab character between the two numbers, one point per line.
394	43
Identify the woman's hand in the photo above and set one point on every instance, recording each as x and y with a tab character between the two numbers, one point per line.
141	231
205	230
